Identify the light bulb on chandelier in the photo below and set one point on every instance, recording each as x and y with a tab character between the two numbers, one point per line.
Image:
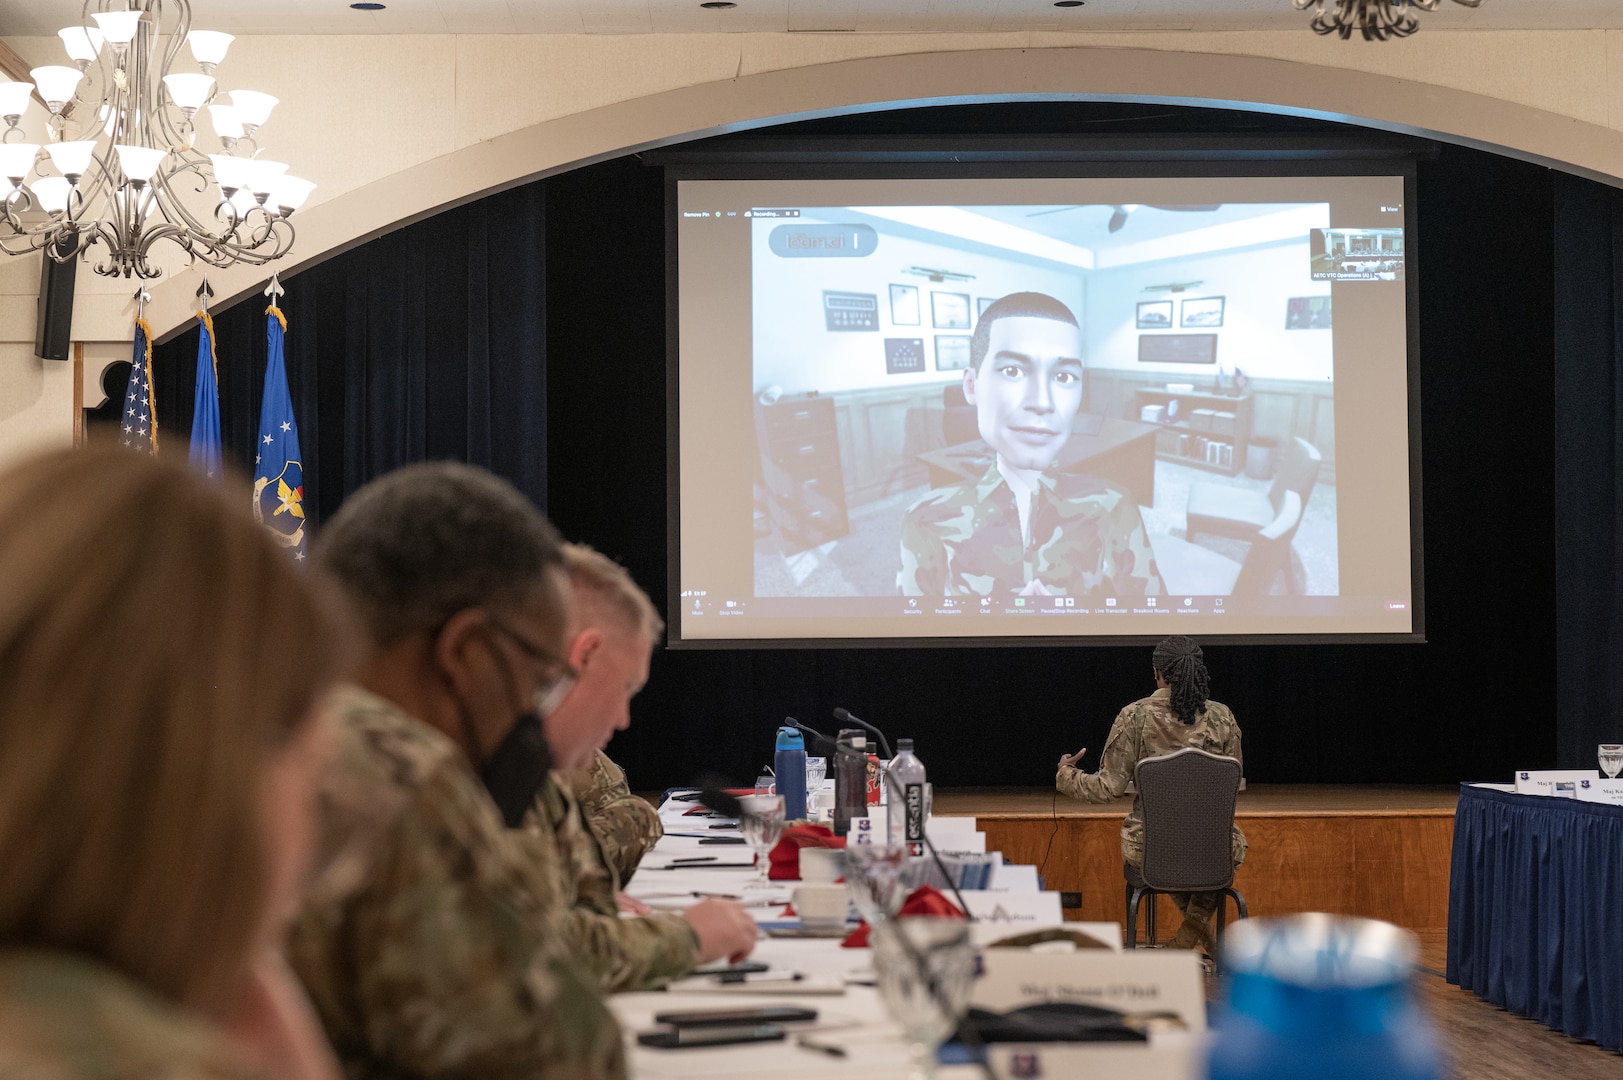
121	169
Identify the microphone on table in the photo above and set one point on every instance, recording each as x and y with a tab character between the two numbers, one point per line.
825	746
844	716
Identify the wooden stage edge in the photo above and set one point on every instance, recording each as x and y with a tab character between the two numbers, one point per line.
1378	851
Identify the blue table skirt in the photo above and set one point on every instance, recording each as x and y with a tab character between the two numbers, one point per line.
1535	910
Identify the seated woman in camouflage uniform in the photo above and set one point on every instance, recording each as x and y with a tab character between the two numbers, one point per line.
1179	714
159	659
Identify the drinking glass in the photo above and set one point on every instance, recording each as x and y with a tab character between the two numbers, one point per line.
816	772
873	875
925	965
1611	759
761	824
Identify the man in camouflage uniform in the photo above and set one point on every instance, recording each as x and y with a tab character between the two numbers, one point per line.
437	953
1024	528
614	630
1176	716
626	827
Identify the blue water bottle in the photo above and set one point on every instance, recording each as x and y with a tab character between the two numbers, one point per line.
1317	997
789	766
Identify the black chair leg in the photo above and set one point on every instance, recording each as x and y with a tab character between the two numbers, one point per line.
1239	903
1132	918
1149	917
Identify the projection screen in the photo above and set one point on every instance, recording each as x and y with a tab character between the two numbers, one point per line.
937	410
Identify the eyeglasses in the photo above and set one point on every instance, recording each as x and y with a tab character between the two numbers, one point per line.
560	677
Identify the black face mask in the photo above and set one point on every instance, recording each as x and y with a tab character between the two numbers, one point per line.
516	769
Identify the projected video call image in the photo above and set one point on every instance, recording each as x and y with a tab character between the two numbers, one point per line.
1107	407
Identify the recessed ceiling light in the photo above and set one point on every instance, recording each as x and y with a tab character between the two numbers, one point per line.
368	7
1069	3
718	5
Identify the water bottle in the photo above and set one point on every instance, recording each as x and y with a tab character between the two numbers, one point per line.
789	766
906	789
850	779
1321	997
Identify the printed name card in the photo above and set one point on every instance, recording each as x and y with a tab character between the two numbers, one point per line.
1024	911
1552	781
1020	879
1135	980
1162	1059
1601	791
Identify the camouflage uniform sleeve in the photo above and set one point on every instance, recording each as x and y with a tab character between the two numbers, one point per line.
1231	748
442	961
1126	556
1116	763
924	556
626	826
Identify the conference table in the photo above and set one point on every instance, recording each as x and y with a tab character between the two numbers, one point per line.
837	982
1535	909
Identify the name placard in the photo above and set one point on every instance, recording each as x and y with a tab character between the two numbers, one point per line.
1552	781
1162	1059
1020	878
1601	791
1023	911
1135	980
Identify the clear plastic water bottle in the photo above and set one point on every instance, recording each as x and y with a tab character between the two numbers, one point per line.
1321	997
789	766
906	808
850	779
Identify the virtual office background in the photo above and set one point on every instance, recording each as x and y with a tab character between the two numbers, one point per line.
527	332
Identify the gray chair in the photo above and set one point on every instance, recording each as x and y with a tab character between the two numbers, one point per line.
1199	571
1238	512
1187	799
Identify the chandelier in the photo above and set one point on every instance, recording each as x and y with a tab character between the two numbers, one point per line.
1376	20
120	167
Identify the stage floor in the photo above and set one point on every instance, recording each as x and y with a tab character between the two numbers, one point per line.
1257	800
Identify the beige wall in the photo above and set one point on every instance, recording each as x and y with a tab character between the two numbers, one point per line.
393	127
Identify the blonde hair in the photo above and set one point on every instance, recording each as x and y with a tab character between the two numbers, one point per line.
604	586
156	647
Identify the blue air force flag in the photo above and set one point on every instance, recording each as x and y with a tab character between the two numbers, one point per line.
205	453
278	473
140	419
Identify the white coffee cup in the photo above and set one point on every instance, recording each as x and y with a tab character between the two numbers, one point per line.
821	907
819	865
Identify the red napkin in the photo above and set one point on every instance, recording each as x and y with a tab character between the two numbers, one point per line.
786	856
924	900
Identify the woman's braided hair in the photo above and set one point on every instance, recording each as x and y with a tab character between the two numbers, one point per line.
1180	663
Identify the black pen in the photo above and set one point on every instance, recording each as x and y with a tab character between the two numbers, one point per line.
693	859
822	1048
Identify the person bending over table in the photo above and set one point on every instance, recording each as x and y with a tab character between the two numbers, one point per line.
1179	714
613	630
1025	528
161	745
446	955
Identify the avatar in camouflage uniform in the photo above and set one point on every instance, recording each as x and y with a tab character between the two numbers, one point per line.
65	1017
624	953
1087	540
626	827
1025	528
439	960
1176	716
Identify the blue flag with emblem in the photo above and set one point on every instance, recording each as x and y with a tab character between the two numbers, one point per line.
139	423
205	454
278	468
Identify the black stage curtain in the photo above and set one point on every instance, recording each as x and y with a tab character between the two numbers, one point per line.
1589	476
427	343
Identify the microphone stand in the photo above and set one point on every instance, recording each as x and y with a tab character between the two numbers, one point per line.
844	716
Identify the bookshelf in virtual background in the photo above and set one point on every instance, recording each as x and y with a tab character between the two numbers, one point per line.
1212	430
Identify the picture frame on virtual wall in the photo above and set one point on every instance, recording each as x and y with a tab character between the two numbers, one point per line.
949	310
904	305
1155	315
1201	313
1308	313
951	352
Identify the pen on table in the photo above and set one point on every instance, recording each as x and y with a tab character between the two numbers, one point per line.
693	859
729	977
820	1047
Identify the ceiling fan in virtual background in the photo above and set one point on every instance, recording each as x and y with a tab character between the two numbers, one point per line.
1376	20
118	166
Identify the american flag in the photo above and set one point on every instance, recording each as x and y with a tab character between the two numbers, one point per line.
140	419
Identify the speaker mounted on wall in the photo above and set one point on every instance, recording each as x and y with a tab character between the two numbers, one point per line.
53	330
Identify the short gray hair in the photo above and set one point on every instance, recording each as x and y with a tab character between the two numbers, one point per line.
414	547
